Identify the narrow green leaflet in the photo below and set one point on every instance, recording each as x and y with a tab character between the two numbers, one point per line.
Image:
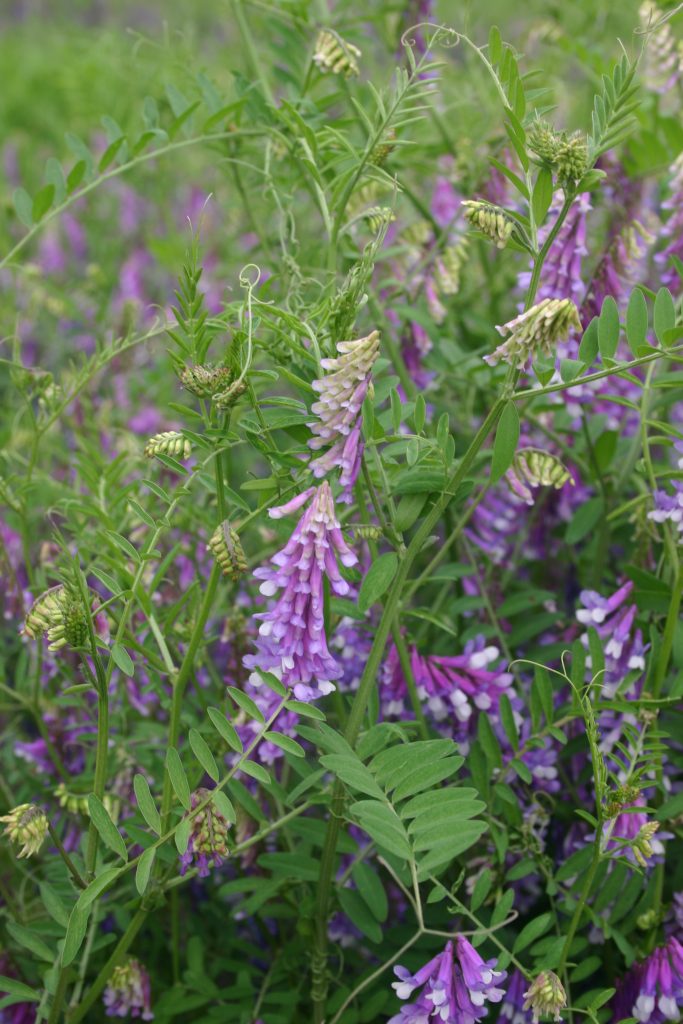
144	869
636	321
201	751
108	831
505	444
246	703
176	773
378	580
225	729
146	804
75	933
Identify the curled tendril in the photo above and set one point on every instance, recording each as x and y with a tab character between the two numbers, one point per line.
244	280
652	26
443	35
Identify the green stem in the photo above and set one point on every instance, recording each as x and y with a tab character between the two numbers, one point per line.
100	773
407	670
181	680
252	57
58	999
73	870
578	912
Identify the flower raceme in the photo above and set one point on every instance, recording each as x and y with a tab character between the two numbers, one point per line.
537	330
292	641
454	988
338	410
128	993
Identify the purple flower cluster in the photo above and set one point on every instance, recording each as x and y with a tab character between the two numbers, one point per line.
452	689
128	993
455	985
291	641
652	991
613	619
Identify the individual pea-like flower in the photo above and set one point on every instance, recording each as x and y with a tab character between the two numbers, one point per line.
512	1008
342	392
491	220
335	55
291	641
669	507
539	329
455	985
208	842
128	992
653	989
228	551
533	468
169	442
613	618
26	826
545	997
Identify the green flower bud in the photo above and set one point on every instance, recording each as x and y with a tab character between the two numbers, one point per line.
27	826
545	997
206	381
228	551
491	220
335	56
170	442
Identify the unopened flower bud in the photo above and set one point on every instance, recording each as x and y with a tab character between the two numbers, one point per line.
169	442
27	826
59	613
545	997
571	160
208	842
377	216
383	149
543	140
228	551
491	220
333	54
536	330
448	267
532	468
368	532
206	381
641	845
227	398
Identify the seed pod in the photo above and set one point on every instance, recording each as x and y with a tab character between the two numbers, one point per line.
170	442
228	551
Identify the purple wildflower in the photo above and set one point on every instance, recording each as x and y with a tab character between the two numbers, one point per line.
613	619
669	507
292	641
129	992
512	1010
452	689
652	991
207	845
342	392
454	990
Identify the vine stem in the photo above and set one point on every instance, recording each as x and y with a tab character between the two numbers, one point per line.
73	870
375	974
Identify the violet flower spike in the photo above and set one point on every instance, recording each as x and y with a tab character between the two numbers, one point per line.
292	642
342	393
455	989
